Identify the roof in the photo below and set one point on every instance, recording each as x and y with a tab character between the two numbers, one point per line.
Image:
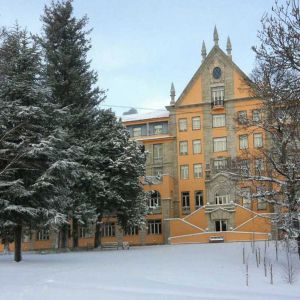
163	113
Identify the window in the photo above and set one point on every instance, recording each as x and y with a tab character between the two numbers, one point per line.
246	197
220	144
157	152
154	227
137	131
199	199
259	165
182	124
257	140
243	142
108	229
218	120
154	201
158	129
261	203
256	115
131	230
196	123
222	199
183	148
217	94
82	232
157	171
184	172
185	199
221	225
198	173
242	117
244	167
220	163
197	146
43	235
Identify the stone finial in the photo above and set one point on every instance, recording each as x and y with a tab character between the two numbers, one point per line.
203	51
216	36
228	47
172	94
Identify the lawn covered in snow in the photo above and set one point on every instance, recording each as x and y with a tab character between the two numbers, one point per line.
207	271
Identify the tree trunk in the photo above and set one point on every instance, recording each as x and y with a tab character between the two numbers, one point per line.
75	232
97	242
18	242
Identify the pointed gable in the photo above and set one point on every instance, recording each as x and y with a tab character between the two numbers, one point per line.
232	78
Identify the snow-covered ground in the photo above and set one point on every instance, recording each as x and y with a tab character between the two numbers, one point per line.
211	271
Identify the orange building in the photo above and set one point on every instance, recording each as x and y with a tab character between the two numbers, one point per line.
204	129
191	144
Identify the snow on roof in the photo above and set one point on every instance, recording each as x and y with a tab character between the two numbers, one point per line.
151	115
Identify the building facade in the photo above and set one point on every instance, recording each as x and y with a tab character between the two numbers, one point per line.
192	146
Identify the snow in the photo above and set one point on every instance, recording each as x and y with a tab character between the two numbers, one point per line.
207	271
151	115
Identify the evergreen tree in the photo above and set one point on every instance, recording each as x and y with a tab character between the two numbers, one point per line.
28	139
115	165
72	82
110	164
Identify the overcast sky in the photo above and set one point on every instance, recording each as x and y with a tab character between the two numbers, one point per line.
141	46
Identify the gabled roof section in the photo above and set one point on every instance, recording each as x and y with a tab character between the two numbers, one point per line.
216	49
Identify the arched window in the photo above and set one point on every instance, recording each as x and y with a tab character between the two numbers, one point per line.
221	198
154	201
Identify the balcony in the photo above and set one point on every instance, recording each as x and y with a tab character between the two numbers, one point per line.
153	210
230	207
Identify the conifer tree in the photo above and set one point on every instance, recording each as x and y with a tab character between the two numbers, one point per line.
28	139
108	159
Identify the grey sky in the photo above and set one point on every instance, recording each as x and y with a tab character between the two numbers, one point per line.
140	47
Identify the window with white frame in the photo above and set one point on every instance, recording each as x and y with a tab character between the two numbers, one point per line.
108	229
197	146
217	94
259	165
183	147
221	225
82	232
184	172
157	171
185	199
243	142
158	129
182	124
220	163
43	235
154	227
136	131
219	120
157	152
221	199
244	167
261	201
131	230
256	115
199	199
198	172
154	201
257	140
246	197
242	117
196	123
220	144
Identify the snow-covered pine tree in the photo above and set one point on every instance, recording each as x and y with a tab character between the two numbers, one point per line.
66	44
28	139
118	164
